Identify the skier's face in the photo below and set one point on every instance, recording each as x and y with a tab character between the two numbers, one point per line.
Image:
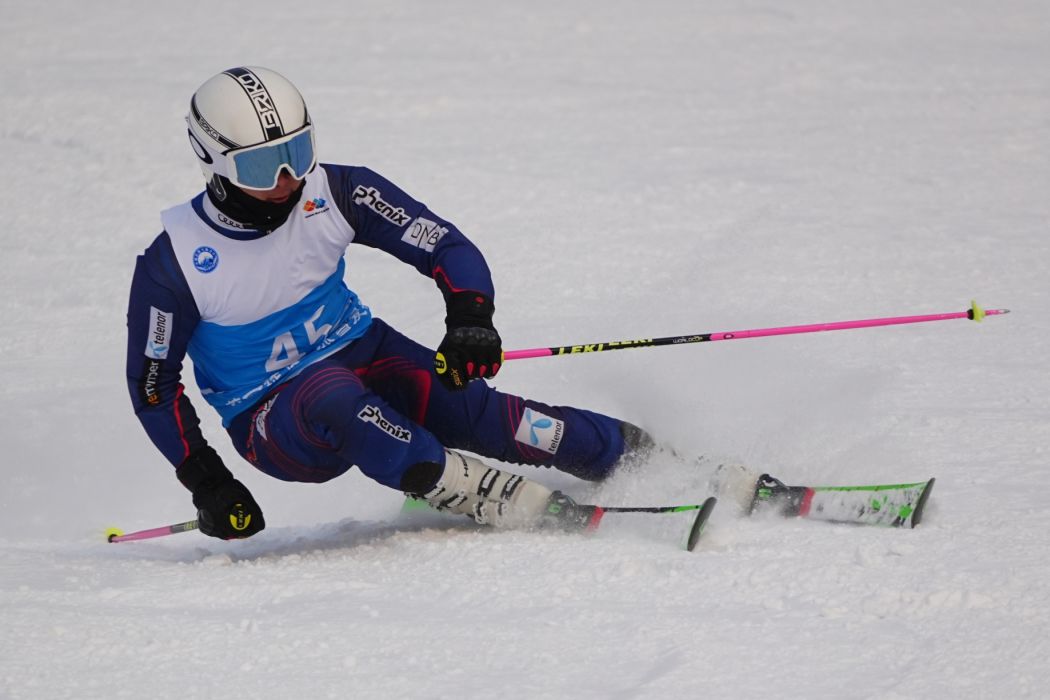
286	186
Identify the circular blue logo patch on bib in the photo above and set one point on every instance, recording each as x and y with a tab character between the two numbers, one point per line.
205	259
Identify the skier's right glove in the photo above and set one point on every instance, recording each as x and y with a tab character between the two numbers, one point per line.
472	348
225	507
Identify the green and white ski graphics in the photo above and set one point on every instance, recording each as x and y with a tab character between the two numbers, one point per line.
893	505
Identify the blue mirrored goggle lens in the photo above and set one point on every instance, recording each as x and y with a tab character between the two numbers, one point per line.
258	167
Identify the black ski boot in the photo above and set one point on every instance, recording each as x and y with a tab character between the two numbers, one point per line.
638	445
771	492
563	513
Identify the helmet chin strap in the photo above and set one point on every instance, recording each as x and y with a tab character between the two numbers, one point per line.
253	213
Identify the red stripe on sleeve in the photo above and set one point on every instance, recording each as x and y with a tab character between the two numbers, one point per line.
178	421
441	277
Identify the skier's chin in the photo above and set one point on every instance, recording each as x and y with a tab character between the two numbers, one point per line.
279	194
270	196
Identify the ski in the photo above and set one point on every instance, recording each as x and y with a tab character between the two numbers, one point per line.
890	505
696	523
597	516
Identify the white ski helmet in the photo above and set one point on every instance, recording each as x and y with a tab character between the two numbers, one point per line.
247	124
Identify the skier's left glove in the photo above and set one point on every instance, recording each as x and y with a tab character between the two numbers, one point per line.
472	348
225	507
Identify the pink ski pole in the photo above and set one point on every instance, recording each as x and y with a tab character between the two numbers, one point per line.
115	535
974	313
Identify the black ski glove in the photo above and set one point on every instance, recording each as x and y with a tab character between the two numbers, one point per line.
472	348
225	508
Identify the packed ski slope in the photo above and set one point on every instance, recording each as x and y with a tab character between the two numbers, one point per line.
631	170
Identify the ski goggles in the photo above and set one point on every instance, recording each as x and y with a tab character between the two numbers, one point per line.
258	167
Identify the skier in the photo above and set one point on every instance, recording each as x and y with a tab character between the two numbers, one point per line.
247	279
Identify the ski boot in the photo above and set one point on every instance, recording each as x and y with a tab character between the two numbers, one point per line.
638	445
735	483
771	492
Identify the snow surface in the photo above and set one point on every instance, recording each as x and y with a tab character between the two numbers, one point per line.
631	170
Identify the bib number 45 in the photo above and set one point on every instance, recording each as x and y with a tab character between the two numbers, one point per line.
285	350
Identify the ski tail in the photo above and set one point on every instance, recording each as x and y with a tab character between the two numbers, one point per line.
697	527
920	505
893	505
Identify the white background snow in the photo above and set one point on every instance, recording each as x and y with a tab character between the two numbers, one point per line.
631	170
